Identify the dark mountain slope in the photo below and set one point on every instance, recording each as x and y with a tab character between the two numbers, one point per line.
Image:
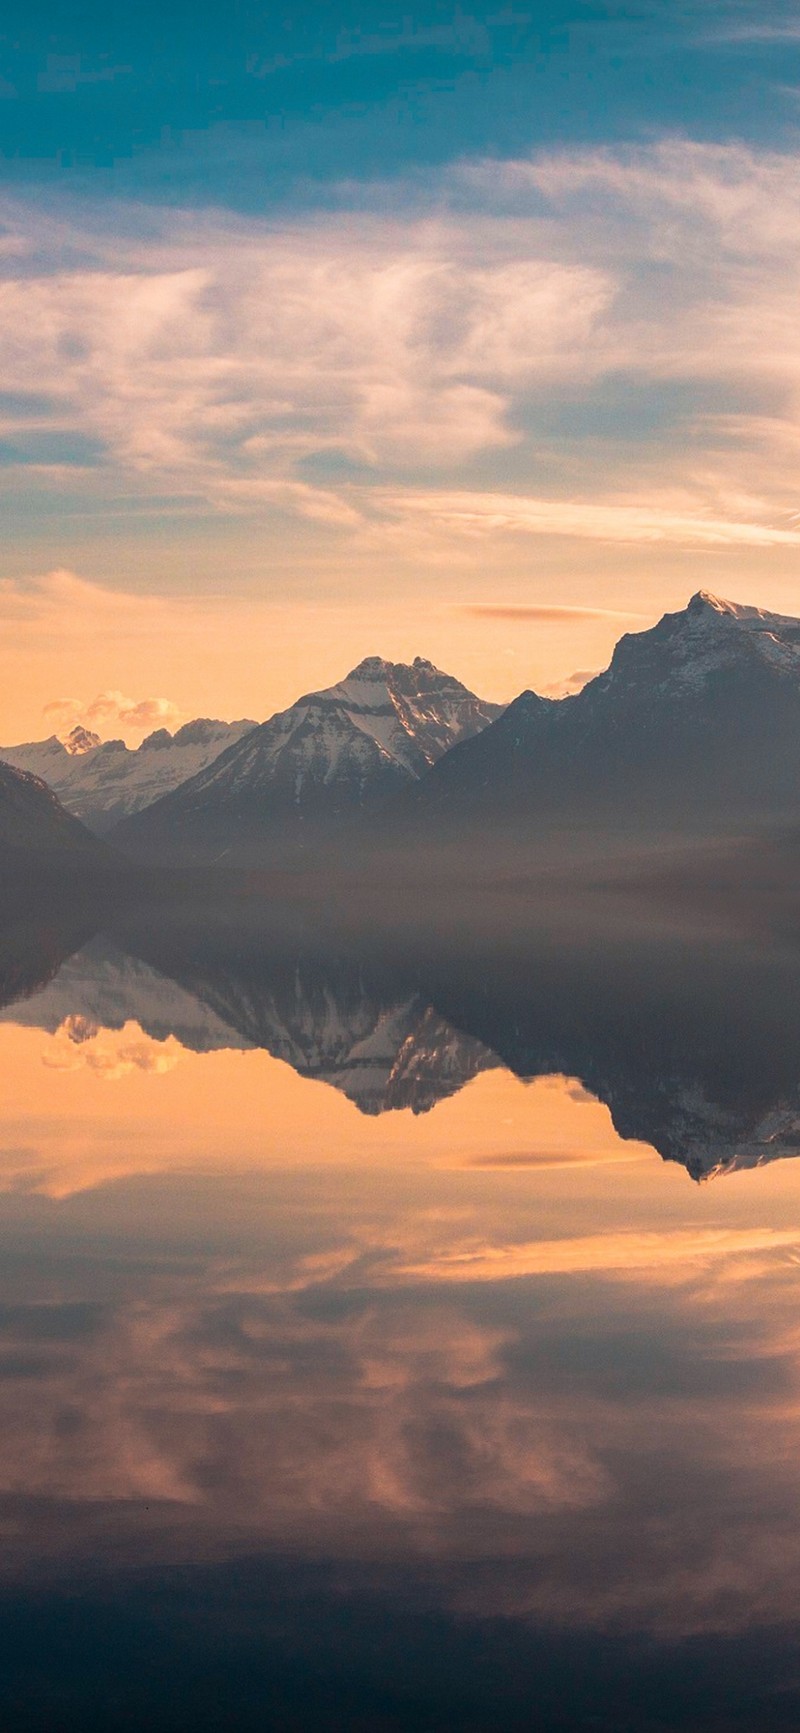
34	825
293	782
694	728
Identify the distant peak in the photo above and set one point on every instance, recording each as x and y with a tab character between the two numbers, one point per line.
377	668
705	602
156	741
80	740
372	668
198	732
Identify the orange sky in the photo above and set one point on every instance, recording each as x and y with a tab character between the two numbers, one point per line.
267	445
69	638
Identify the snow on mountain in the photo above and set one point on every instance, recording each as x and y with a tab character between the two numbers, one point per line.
382	1045
103	782
332	754
80	740
694	727
382	1052
688	649
709	1142
102	987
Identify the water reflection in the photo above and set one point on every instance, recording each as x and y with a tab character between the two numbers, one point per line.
692	1043
361	1365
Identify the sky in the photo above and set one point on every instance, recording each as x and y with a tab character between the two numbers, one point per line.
467	332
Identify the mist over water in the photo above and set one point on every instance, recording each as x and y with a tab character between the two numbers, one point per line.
398	1306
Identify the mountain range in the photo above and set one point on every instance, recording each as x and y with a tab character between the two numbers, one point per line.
102	782
693	1049
693	730
302	776
35	828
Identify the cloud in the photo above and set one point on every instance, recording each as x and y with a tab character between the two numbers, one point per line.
78	1046
619	324
141	713
62	604
547	613
748	198
499	1452
65	710
230	353
754	32
473	513
113	709
663	1255
571	683
545	1160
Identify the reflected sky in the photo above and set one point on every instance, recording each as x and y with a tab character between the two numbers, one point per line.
304	1373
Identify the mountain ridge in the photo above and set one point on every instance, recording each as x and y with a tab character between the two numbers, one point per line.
331	755
693	728
36	831
101	782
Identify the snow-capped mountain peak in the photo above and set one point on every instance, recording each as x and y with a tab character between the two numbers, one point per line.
370	668
80	740
101	782
704	602
333	752
411	712
694	726
685	649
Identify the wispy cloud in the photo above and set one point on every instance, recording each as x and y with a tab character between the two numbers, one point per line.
614	331
571	683
234	352
594	520
76	1046
547	613
764	30
679	1251
64	603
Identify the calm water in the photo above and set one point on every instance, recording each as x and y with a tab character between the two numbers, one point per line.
398	1334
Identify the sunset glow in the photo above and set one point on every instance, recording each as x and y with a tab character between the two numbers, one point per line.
399	866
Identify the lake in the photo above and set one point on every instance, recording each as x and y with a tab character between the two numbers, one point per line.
399	1327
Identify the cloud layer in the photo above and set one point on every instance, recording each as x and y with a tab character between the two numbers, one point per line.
108	710
617	327
565	382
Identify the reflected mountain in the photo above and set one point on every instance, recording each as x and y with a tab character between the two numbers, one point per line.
694	1047
32	954
693	1043
101	986
369	1034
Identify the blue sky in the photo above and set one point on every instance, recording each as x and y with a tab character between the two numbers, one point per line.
254	104
327	330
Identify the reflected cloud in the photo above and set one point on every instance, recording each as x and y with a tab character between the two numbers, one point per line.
378	1286
670	1256
584	1462
543	1159
711	1080
404	1417
78	1045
